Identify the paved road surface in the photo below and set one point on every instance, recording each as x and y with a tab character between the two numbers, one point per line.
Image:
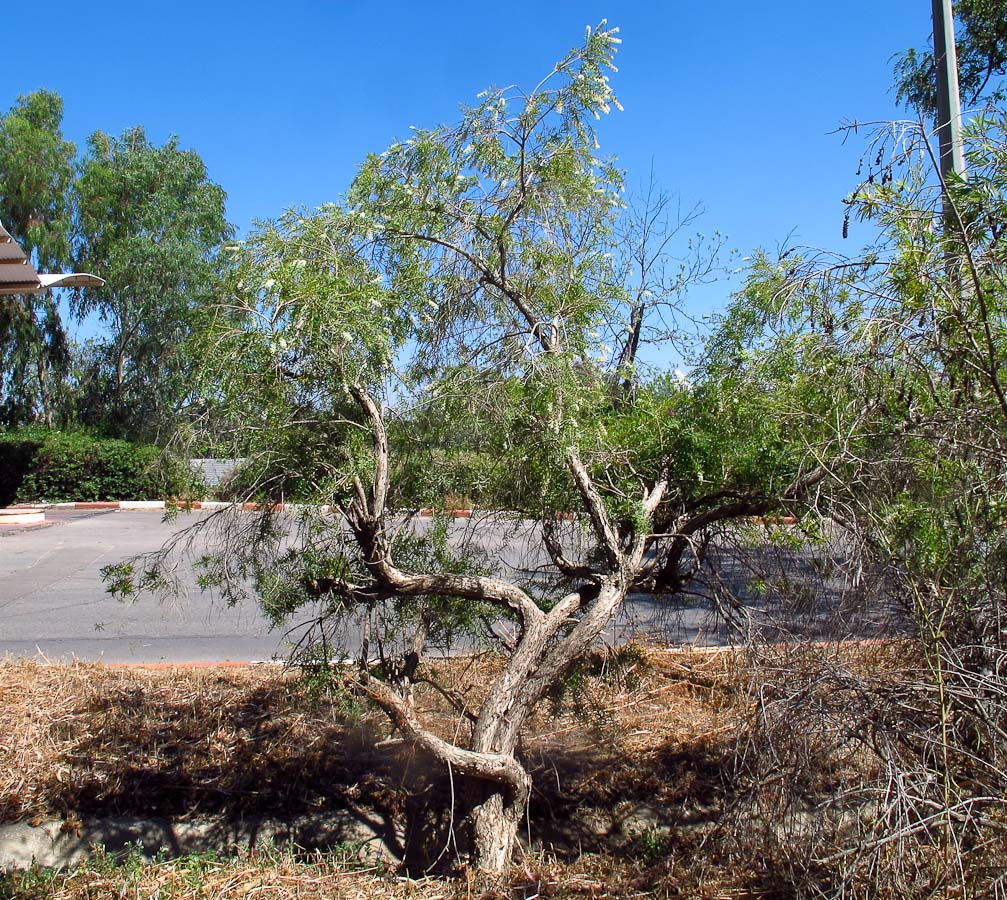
53	603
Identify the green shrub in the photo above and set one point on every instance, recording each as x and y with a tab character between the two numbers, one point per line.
17	450
38	465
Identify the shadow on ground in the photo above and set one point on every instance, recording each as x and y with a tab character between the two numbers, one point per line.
219	767
198	764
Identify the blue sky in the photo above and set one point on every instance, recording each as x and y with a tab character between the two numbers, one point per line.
731	103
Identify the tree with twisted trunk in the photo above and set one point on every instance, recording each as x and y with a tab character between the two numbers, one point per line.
468	323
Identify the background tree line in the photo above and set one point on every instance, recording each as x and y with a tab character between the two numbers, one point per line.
150	221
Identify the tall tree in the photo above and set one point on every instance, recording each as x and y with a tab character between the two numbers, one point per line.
150	220
36	174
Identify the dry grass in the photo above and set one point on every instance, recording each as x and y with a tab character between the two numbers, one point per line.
88	739
84	739
280	875
642	782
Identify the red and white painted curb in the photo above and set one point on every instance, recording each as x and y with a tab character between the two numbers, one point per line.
216	504
424	513
32	515
10	515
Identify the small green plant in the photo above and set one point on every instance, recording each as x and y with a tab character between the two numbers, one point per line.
195	866
27	884
324	682
653	844
618	667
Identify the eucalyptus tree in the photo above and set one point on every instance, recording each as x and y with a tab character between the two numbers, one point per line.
36	174
149	219
472	283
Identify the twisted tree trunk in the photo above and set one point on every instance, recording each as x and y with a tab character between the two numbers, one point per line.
494	815
497	786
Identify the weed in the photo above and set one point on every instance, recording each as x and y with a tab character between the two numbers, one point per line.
652	844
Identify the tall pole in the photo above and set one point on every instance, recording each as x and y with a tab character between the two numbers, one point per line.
949	105
949	133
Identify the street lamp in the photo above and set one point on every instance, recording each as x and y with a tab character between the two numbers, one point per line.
18	275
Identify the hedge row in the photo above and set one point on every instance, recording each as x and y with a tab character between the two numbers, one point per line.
51	466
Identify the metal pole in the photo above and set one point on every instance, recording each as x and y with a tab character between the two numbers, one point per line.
949	136
949	105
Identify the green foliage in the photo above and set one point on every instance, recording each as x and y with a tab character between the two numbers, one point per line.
496	229
305	316
36	172
397	289
34	883
981	38
150	221
323	680
296	465
127	581
300	576
905	345
653	845
474	282
17	450
37	465
444	618
321	565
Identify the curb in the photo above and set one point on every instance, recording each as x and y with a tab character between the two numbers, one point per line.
62	844
100	506
134	505
186	505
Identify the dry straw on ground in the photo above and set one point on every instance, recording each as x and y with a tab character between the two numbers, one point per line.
85	738
275	875
656	774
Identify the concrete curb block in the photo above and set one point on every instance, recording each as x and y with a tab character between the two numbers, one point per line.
22	515
58	844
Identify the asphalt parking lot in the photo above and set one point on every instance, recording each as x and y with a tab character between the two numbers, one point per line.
54	605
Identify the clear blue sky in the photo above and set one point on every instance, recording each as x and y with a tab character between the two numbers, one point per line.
732	103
